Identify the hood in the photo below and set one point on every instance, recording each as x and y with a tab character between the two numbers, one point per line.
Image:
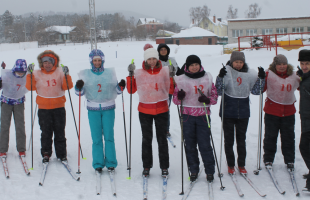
289	70
20	66
163	58
245	67
92	54
51	54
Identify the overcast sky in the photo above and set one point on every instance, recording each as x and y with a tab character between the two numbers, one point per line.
172	10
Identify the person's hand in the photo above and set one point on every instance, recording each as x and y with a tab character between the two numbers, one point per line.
122	84
299	72
261	73
131	69
181	95
65	69
79	84
223	72
0	83
204	99
30	68
3	65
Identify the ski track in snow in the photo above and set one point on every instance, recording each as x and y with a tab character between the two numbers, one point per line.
59	184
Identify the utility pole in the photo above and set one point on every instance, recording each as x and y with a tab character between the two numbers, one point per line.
92	24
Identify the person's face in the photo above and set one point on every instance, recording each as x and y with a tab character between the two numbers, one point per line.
20	73
305	66
97	62
152	62
47	66
163	51
193	68
281	67
238	64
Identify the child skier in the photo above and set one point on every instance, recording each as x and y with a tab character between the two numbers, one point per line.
50	82
239	81
100	87
152	83
195	124
281	83
13	83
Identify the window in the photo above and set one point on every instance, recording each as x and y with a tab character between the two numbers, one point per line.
188	38
65	38
281	30
237	33
251	32
298	29
198	37
60	37
308	29
267	31
68	37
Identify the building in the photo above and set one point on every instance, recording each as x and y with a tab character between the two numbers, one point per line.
266	26
60	33
191	36
151	25
213	24
165	33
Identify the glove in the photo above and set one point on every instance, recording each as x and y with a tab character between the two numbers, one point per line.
65	69
122	83
261	73
204	99
181	95
79	84
131	69
171	70
30	68
3	65
0	83
299	72
223	72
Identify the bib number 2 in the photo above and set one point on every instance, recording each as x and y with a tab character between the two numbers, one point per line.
99	89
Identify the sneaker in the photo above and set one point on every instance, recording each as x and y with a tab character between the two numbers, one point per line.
99	169
210	177
2	154
193	177
168	134
146	172
164	172
242	170
268	164
231	169
290	166
110	169
46	159
22	153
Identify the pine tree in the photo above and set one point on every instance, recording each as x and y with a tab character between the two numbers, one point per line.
257	42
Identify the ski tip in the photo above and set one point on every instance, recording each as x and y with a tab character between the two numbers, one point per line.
40	184
283	192
28	174
30	169
114	194
297	194
129	178
98	193
8	177
84	158
182	193
78	179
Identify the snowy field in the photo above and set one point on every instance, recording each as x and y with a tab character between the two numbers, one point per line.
59	184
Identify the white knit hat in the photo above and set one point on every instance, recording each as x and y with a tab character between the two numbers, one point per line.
151	53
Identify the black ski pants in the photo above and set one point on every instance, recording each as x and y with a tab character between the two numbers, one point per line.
53	121
232	125
304	147
161	121
286	125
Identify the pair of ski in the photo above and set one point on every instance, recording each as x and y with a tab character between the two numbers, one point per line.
234	179
112	181
65	164
164	187
275	182
5	166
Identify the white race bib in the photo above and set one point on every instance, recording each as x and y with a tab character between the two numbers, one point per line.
13	87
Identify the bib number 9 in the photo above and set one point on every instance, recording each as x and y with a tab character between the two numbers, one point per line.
239	80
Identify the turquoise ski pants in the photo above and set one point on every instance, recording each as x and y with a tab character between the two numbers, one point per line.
102	123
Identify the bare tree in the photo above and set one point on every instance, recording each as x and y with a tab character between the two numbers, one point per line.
231	13
253	12
205	11
131	27
198	13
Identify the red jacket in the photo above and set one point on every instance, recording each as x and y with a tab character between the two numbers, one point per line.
151	109
274	108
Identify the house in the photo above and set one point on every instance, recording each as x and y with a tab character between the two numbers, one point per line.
265	26
191	36
150	24
213	24
60	33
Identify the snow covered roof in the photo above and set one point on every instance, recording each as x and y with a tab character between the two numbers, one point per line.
60	29
148	21
166	32
194	32
273	18
217	22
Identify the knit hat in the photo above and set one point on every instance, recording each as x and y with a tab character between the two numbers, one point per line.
279	59
20	66
147	46
48	59
237	55
304	55
192	59
96	53
150	53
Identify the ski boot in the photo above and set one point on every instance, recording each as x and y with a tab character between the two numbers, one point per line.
193	177
290	166
146	172
99	170
46	158
111	169
3	155
22	153
242	170
64	159
231	169
164	172
268	165
210	178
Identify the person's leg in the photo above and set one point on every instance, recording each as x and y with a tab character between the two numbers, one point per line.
146	122
59	118
95	120
304	147
161	135
272	126
46	125
108	118
241	128
287	131
6	115
19	119
229	137
168	125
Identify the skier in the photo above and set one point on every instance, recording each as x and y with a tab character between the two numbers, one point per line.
239	81
280	84
304	111
13	83
195	124
50	84
164	57
100	87
152	83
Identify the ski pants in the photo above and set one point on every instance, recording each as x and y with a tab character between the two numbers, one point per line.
102	123
196	132
146	122
286	125
304	147
19	119
53	121
232	125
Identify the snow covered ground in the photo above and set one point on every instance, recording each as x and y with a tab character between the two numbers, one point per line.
58	183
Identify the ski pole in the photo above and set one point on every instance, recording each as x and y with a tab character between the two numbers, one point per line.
79	171
73	113
32	64
34	117
256	172
182	173
124	126
222	127
205	108
129	167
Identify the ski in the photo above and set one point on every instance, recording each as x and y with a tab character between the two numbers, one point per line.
234	179
65	163
5	167
191	185
251	183
45	164
165	182
293	181
171	142
145	187
98	182
210	191
274	180
112	181
22	158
